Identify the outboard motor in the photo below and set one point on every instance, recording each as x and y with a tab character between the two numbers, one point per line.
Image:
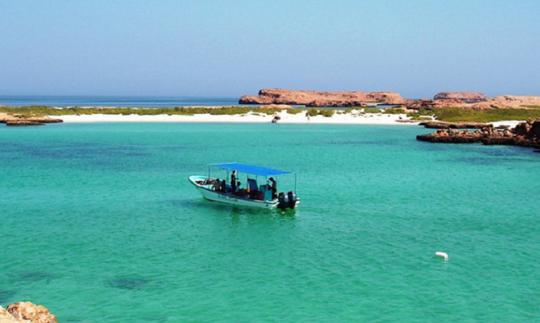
283	201
292	199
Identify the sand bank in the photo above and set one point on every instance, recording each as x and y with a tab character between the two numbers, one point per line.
300	118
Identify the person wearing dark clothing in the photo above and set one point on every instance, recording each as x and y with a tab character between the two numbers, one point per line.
273	187
233	181
223	186
217	185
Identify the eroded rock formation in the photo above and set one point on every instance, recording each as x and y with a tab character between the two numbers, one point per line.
20	120
472	100
321	99
526	134
454	125
26	312
460	97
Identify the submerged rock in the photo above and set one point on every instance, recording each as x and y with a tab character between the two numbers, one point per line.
26	312
128	282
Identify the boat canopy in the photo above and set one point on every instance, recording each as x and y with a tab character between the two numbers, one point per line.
251	169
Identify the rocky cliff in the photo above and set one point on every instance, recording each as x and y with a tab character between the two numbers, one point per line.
321	99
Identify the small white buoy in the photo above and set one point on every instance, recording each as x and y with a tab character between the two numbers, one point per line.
442	255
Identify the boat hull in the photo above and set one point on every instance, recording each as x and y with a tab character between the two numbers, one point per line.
207	192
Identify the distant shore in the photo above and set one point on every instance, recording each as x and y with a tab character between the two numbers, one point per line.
36	115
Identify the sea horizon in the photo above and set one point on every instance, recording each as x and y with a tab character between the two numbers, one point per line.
116	100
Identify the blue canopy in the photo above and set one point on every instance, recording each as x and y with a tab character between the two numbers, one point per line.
251	169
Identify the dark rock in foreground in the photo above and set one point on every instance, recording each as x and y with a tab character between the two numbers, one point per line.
26	312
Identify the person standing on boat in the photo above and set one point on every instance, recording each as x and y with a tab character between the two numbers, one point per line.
233	181
273	187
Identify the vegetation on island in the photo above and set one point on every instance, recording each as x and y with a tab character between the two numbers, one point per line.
442	114
320	112
372	110
35	111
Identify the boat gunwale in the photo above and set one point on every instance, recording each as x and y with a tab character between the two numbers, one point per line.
228	195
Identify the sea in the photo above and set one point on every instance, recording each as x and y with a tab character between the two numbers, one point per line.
116	101
99	223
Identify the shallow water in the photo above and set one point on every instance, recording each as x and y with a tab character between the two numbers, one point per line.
99	223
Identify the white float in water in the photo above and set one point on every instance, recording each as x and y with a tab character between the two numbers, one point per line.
442	255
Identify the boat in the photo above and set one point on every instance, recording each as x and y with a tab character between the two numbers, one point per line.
253	195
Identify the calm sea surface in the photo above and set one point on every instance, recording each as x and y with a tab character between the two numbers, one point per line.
98	222
120	101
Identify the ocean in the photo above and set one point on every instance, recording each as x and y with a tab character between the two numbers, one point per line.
118	101
99	223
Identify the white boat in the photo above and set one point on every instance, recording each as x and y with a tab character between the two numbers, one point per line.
254	195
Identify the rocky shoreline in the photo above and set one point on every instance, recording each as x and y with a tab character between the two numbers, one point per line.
26	312
525	134
454	125
20	120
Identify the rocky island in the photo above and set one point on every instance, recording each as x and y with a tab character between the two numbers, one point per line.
470	100
322	99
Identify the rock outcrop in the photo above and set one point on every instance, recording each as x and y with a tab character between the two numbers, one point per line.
452	136
460	97
526	134
322	99
515	101
454	125
21	120
473	100
26	312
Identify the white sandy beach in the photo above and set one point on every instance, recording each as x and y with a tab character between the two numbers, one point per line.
300	118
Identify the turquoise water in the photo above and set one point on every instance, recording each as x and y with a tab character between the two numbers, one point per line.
98	223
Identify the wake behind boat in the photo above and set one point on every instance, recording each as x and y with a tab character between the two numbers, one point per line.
230	190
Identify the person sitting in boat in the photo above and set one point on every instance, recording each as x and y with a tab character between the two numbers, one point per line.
233	181
217	185
223	186
273	187
238	188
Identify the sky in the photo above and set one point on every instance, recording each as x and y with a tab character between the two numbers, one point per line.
235	47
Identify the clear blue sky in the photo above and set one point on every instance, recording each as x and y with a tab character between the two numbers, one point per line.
229	48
